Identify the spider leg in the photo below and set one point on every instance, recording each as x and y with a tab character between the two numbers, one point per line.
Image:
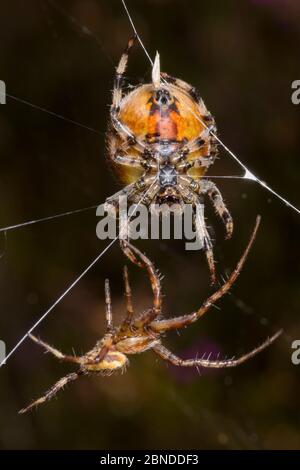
138	192
189	196
120	72
129	191
201	162
219	205
127	160
108	309
137	257
193	93
203	142
52	391
167	355
205	118
55	352
148	187
208	187
114	199
128	296
123	130
204	236
180	322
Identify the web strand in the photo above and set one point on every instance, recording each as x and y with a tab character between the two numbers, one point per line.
44	219
71	286
81	27
51	113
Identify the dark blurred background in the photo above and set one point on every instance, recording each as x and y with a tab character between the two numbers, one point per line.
243	57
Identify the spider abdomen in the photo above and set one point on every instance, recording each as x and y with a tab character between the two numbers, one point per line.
163	121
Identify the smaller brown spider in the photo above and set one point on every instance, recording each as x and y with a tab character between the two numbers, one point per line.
136	335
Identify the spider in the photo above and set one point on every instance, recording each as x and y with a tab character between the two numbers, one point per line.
138	334
159	142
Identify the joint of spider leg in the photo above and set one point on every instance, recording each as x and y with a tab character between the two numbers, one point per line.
131	43
147	200
199	142
114	112
209	130
208	118
140	184
179	157
195	95
194	185
147	165
205	161
119	81
131	141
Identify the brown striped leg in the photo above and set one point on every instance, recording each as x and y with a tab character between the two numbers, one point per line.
204	236
123	130
127	160
120	71
185	320
167	355
219	205
128	296
108	309
201	162
189	196
194	94
55	352
52	391
138	188
137	257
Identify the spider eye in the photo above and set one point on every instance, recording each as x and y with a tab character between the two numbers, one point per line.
163	97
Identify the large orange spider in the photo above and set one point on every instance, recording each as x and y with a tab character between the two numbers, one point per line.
160	146
138	334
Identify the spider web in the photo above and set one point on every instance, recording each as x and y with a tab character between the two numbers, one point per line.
248	174
208	419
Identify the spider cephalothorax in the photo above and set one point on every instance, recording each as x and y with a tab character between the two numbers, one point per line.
160	145
137	334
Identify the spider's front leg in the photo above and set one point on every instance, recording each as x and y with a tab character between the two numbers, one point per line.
118	93
119	80
55	352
